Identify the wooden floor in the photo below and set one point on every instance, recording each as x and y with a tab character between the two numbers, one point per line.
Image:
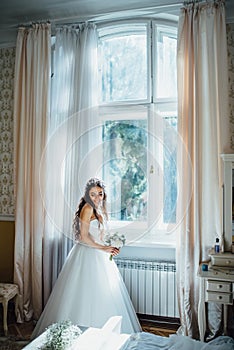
23	331
159	325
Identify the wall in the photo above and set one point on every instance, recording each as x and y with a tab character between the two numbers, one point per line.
7	230
230	43
7	237
7	58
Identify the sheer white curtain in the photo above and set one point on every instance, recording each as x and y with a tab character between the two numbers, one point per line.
72	148
203	121
31	109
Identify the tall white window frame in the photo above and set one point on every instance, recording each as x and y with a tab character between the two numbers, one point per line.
154	108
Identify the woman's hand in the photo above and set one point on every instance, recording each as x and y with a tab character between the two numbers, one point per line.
112	250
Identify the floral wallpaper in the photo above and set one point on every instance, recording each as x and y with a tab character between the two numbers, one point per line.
230	44
7	59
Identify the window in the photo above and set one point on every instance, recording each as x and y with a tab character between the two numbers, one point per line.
124	70
137	75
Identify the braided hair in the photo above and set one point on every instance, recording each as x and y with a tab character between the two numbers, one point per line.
93	182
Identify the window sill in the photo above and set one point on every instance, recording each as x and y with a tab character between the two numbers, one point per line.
152	245
154	252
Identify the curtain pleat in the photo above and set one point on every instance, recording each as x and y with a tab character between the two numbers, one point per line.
32	77
202	120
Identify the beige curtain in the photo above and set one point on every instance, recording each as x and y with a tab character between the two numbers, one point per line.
32	76
203	121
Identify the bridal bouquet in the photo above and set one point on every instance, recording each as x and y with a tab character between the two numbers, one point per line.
61	335
116	240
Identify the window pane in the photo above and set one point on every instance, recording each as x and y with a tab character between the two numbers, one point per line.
170	170
125	164
167	112
166	72
123	64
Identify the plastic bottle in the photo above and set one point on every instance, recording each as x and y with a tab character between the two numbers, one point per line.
217	246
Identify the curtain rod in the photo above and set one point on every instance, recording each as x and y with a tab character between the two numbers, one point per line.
114	15
106	15
190	2
176	5
137	11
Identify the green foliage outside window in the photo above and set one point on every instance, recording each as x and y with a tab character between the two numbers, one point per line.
127	151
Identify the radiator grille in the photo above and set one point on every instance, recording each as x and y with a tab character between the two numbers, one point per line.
151	286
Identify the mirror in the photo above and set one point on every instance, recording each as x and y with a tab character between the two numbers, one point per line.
228	200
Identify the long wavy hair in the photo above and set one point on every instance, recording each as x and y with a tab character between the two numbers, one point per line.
93	182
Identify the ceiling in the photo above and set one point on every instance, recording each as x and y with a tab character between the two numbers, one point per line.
17	12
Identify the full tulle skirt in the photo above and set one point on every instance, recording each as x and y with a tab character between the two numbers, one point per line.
88	291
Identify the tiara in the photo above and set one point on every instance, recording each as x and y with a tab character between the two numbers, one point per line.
95	182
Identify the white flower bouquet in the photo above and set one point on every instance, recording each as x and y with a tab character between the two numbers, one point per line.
61	335
116	240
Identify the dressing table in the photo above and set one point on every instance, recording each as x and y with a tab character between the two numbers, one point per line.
216	285
217	276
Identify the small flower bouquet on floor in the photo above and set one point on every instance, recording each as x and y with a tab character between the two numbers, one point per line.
61	335
116	240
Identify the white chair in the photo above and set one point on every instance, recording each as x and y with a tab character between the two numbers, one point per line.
7	292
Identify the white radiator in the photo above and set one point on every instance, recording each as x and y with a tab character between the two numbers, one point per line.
151	286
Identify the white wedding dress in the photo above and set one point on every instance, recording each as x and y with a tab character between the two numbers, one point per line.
88	291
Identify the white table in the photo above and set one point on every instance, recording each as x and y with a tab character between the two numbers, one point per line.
216	285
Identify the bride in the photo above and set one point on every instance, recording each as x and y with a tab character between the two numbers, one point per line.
89	289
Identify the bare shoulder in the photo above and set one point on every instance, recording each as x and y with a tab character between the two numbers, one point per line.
86	212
